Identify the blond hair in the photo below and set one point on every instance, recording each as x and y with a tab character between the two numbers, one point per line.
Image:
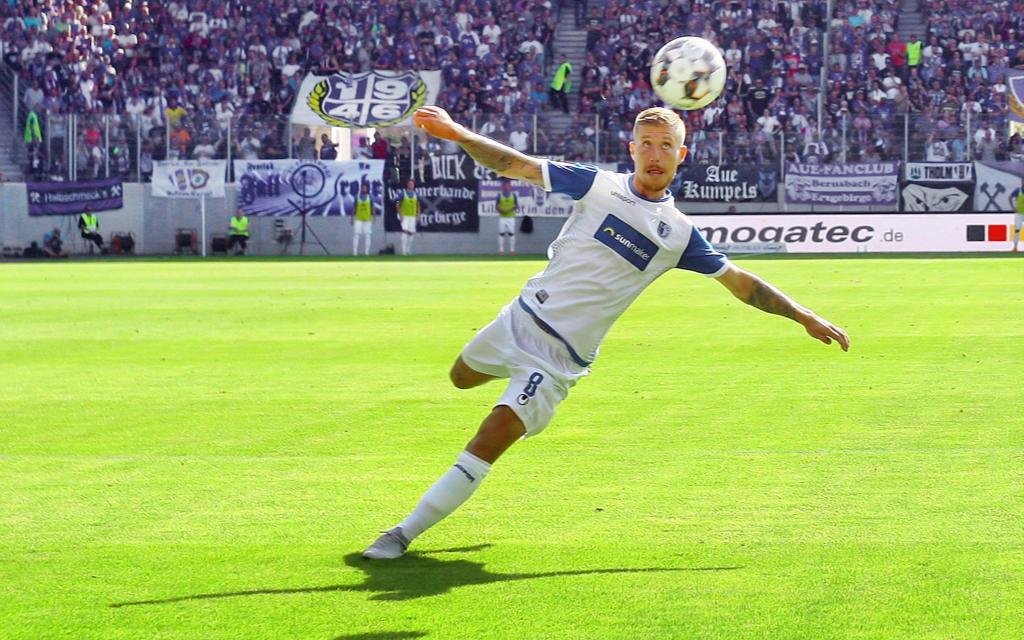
663	117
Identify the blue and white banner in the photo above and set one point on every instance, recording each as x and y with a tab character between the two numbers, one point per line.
306	187
533	201
70	198
996	189
368	99
1015	80
189	178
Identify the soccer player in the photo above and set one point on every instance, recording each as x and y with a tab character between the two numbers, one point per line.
624	232
362	220
508	206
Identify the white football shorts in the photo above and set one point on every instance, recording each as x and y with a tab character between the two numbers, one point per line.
363	227
506	226
538	366
408	224
1018	221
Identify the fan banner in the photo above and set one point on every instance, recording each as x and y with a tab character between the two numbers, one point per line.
70	198
995	189
189	178
939	171
367	99
1015	82
863	183
446	186
306	187
722	183
533	201
937	196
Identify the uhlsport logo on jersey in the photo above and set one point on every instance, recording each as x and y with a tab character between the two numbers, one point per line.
371	99
631	245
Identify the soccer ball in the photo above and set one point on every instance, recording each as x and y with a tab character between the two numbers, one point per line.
688	73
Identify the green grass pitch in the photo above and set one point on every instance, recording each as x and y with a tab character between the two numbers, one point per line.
196	449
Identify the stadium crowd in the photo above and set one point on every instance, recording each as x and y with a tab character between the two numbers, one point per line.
186	70
956	70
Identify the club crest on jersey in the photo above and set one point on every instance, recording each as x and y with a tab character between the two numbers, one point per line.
631	245
663	229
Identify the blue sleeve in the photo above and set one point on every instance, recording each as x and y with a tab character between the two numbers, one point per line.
574	180
701	257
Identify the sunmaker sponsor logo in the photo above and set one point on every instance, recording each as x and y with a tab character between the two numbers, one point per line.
627	242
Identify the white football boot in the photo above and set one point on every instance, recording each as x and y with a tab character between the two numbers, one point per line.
390	545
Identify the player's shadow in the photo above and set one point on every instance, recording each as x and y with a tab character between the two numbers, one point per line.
419	575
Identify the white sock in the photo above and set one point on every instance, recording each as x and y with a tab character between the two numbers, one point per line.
501	243
445	495
512	243
355	244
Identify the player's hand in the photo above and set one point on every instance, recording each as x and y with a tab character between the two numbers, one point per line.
821	329
437	122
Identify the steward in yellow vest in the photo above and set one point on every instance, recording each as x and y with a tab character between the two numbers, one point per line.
238	232
89	226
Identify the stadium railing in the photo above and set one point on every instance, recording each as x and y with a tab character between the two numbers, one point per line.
86	146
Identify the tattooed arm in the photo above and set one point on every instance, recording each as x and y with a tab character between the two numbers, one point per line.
501	159
758	293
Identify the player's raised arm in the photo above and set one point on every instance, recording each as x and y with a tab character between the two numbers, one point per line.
497	157
758	293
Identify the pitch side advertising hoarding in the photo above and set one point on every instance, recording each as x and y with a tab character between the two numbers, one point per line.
858	233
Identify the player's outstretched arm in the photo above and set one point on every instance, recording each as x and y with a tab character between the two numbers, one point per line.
497	157
758	293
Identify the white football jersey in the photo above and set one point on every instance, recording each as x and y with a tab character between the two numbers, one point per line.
615	243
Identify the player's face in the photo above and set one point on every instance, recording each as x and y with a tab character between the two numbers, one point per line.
657	151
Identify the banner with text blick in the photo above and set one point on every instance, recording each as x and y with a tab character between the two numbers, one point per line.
306	187
189	178
722	183
70	198
367	99
446	186
863	183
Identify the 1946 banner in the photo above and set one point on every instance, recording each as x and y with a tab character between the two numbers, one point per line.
69	198
306	187
367	99
865	183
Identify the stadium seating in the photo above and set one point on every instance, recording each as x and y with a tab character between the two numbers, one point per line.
186	69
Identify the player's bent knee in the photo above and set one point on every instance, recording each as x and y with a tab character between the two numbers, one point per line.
497	433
